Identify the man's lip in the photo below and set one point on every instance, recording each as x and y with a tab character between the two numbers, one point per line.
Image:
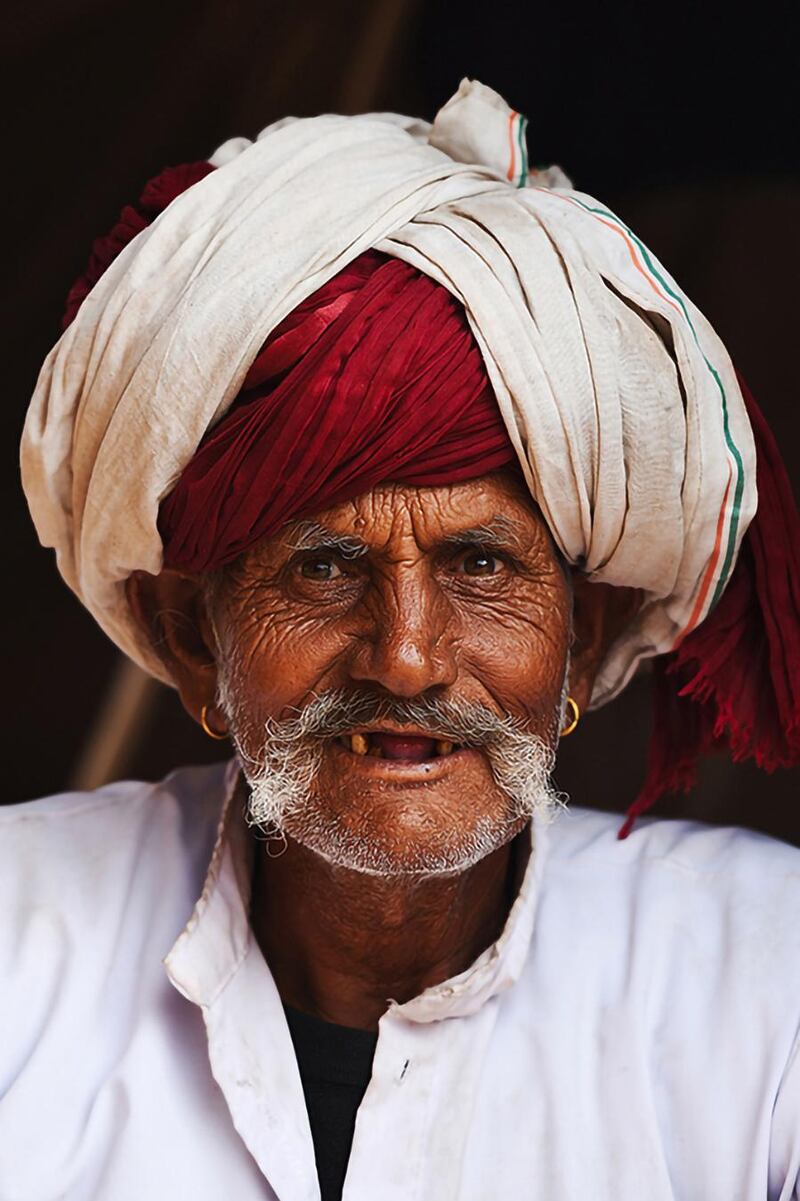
399	769
406	745
401	731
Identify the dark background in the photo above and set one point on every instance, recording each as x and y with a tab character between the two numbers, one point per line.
682	117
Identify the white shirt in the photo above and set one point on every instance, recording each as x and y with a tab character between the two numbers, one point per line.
632	1035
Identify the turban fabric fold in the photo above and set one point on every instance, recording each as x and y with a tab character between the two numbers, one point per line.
349	301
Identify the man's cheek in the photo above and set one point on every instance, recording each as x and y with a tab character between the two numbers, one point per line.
522	675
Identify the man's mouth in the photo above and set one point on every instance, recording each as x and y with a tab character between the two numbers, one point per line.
413	748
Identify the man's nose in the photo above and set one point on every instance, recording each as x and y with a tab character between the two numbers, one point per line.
408	644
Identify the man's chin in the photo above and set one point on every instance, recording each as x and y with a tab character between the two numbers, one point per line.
409	846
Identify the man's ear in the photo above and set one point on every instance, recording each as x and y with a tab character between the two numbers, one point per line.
600	614
171	609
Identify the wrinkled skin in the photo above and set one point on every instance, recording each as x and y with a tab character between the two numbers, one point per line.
424	610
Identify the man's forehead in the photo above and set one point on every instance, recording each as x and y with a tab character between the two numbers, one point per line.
492	510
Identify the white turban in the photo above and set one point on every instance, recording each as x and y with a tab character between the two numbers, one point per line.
619	398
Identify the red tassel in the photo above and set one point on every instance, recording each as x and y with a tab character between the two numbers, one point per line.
735	680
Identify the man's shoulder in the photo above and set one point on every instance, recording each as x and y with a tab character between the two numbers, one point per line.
683	893
94	889
75	863
724	854
103	817
194	784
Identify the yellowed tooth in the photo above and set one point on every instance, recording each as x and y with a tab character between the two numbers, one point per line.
359	744
376	751
443	747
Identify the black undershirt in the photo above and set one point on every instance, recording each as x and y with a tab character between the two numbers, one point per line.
335	1065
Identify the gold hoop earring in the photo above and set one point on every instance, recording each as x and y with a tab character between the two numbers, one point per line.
207	728
576	717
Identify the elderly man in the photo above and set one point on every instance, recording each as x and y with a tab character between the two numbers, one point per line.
393	458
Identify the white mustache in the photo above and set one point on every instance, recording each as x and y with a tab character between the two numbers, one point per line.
336	712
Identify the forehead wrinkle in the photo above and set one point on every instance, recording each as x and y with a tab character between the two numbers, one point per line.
394	518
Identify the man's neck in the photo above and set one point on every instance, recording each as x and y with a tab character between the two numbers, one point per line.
341	943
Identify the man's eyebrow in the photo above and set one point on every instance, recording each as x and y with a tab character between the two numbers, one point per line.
499	533
312	535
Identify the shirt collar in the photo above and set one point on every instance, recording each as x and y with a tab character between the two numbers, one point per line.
217	937
501	964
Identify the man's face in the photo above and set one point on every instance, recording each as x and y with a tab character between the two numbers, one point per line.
396	664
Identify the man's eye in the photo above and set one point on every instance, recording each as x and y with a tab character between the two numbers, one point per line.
480	562
319	568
